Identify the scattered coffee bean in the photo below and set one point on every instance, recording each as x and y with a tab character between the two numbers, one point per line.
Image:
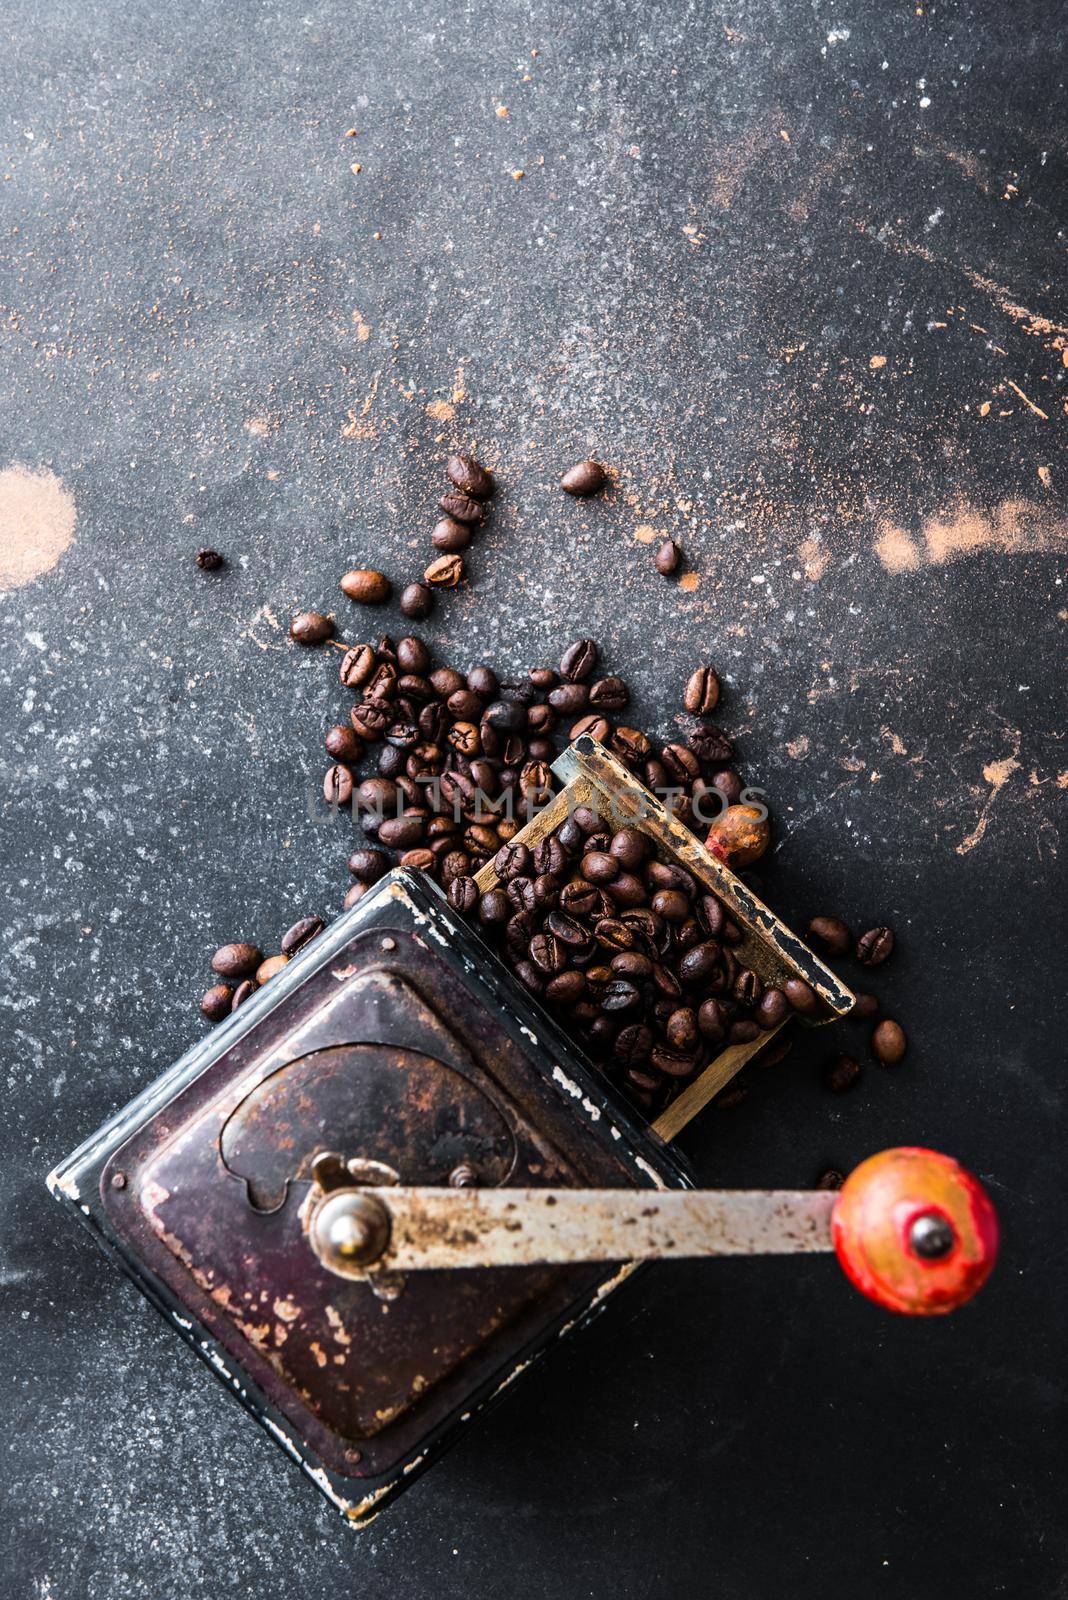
584	478
310	627
356	666
337	786
801	996
216	1001
832	933
236	960
874	946
243	992
344	744
354	893
867	1005
208	560
888	1042
701	696
269	968
368	865
461	507
366	586
445	572
667	558
579	660
450	536
840	1074
416	601
469	477
300	934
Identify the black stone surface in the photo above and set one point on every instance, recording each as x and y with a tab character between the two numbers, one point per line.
795	272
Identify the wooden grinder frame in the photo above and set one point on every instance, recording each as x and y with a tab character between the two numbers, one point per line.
591	776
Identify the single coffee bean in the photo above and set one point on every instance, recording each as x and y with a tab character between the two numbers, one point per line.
620	995
300	934
401	833
743	1031
413	656
667	558
450	536
840	1074
463	894
747	988
713	1019
874	946
243	992
642	1083
633	1044
520	891
337	786
236	960
469	477
867	1005
357	666
666	982
344	744
446	681
832	933
416	601
671	904
711	745
630	745
629	847
310	627
584	478
674	1063
609	694
505	716
774	1008
566	988
366	586
888	1042
511	861
216	1001
418	860
494	907
701	695
728	785
483	680
711	915
587	819
579	661
632	964
549	855
529	976
801	996
612	934
547	953
681	1030
597	866
569	699
445	572
355	892
680	763
627	890
270	968
593	727
208	561
700	962
370	865
461	507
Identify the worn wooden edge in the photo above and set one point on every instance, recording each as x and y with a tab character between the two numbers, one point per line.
708	1084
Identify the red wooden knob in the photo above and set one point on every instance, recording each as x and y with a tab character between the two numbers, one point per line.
915	1232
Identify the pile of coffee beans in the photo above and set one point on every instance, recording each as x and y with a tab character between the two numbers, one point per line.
636	959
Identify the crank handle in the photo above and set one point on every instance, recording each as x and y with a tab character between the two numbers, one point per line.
912	1230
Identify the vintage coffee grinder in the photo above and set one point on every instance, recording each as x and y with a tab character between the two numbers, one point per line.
377	1193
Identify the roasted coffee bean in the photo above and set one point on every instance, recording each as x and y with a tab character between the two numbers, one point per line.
369	865
569	699
701	695
711	745
543	678
888	1042
541	720
445	572
681	1030
609	694
671	904
300	934
446	681
464	737
529	976
547	890
629	847
874	946
632	1045
494	906
579	661
355	892
801	996
667	558
570	835
747	988
593	728
666	982
674	1063
867	1005
565	928
463	894
418	860
840	1074
216	1001
401	833
832	934
469	476
549	855
357	666
620	995
403	736
584	478
367	587
344	744
680	763
547	953
483	680
208	561
773	1009
728	785
627	890
416	601
461	507
413	656
379	795
597	866
743	1031
536	781
520	891
612	934
700	963
243	992
505	717
713	1020
566	988
830	1178
511	861
454	864
642	1082
632	964
337	786
731	933
450	536
310	627
630	745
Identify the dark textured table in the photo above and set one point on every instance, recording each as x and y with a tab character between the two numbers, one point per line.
796	273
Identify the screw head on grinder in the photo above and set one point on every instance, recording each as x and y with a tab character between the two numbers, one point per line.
349	1231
